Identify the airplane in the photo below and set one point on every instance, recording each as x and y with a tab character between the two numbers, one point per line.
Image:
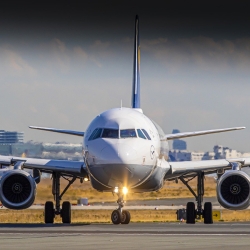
124	151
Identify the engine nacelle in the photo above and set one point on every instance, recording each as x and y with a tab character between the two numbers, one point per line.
17	189
233	190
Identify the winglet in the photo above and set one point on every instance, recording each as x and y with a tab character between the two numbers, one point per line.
136	72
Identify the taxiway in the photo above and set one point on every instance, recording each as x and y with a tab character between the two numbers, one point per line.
132	236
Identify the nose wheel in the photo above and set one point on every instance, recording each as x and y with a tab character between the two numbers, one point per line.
116	217
120	216
125	217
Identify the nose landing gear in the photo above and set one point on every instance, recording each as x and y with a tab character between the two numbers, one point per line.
120	216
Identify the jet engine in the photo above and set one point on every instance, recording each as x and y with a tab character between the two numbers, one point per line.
233	190
17	189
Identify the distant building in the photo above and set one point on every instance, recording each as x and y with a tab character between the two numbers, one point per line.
7	137
219	152
59	151
226	153
178	144
208	156
184	155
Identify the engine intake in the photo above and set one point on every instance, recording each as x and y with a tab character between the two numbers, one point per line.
17	189
233	190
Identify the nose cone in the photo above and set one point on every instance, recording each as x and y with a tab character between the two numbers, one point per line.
118	163
118	154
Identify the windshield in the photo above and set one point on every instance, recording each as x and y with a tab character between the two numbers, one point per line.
127	133
110	133
140	134
96	134
146	133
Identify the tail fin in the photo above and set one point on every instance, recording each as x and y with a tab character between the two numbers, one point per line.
136	73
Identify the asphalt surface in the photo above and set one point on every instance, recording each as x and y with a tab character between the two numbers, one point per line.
161	202
132	236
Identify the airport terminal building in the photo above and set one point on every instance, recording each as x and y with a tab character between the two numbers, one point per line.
7	137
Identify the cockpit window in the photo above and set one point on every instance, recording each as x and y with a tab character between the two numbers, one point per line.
114	133
146	133
110	133
140	134
96	134
127	133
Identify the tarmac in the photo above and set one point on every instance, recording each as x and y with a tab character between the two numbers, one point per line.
132	236
166	204
178	235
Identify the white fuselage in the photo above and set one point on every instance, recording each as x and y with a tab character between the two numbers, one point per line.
123	147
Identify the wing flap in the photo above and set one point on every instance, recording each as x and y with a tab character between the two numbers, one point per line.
194	166
74	167
46	165
184	167
197	133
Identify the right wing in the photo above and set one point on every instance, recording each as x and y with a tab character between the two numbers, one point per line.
62	131
72	168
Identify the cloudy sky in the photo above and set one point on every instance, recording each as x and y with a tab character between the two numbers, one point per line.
61	65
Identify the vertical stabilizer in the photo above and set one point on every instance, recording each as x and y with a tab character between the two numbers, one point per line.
136	71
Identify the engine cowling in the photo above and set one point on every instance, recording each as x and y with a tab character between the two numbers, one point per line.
17	189
233	190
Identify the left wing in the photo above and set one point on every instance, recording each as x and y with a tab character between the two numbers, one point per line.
196	133
183	168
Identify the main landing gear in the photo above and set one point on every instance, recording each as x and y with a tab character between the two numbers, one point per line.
191	213
120	216
49	210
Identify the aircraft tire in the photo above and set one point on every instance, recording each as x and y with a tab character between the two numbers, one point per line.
190	213
208	213
125	218
66	212
49	212
116	217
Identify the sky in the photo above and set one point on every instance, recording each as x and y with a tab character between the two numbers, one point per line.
63	64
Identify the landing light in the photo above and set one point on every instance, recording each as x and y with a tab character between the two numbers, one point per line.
86	179
124	190
116	190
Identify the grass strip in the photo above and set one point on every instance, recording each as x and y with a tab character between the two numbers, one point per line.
103	216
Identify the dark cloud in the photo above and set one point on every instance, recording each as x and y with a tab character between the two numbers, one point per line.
78	20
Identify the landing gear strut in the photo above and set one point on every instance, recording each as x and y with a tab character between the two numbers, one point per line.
49	210
120	216
198	213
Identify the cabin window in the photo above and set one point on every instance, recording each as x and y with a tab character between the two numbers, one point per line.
96	134
140	134
110	133
146	133
127	133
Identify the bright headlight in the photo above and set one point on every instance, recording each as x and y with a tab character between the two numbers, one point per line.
116	190
124	190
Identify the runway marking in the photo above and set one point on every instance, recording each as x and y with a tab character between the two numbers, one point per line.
38	235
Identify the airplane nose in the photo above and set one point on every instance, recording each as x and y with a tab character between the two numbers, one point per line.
118	163
118	153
